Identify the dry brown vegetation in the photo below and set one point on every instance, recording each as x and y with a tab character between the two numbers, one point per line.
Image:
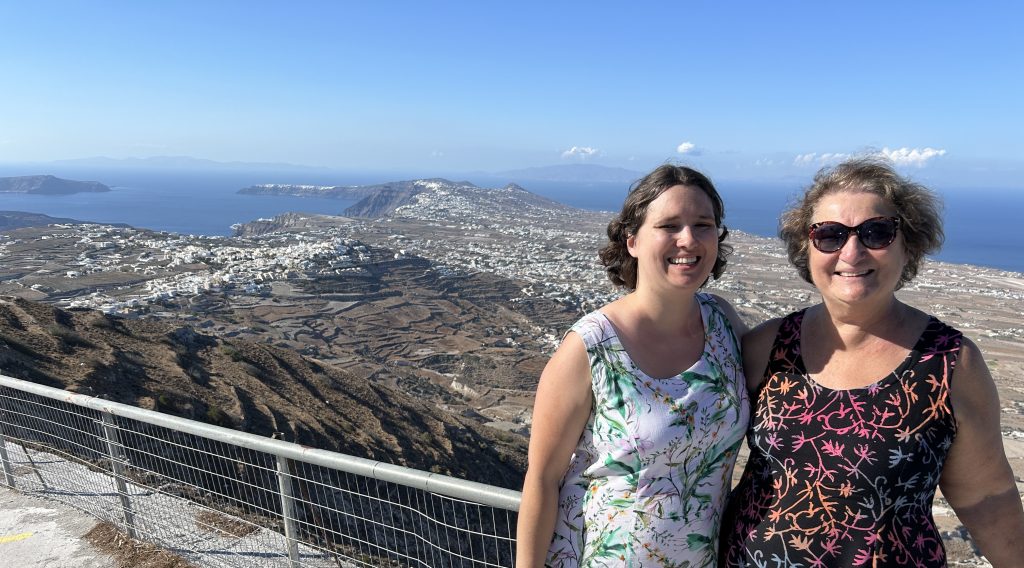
225	524
131	553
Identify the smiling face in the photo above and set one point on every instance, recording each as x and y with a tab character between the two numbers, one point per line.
677	244
856	274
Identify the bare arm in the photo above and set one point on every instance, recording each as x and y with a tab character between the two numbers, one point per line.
757	346
977	479
560	412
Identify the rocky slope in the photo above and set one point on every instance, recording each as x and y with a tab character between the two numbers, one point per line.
248	386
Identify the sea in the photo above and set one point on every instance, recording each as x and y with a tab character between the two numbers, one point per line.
982	225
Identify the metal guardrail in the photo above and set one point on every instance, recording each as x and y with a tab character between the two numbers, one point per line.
220	497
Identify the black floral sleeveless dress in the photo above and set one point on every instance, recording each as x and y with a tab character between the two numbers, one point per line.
844	477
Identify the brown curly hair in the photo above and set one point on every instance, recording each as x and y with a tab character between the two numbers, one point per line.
619	264
919	210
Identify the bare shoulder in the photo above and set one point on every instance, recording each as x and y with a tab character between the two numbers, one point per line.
970	360
972	385
757	346
739	326
566	377
572	350
565	384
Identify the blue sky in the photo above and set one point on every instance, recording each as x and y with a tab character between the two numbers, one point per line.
758	90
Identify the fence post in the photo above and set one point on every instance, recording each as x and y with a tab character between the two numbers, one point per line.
291	533
117	466
8	472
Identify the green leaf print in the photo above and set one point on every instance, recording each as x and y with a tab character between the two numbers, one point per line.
694	540
658	458
697	380
716	385
620	503
614	408
630	470
611	546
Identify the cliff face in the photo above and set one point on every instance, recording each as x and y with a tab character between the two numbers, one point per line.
382	202
48	185
247	386
321	191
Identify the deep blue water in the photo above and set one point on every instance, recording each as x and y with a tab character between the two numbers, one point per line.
198	203
981	225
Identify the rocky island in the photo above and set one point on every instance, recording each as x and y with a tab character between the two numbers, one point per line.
48	185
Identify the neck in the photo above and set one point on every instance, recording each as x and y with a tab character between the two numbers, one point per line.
852	322
663	311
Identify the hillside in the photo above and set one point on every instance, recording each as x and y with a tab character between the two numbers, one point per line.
248	386
19	219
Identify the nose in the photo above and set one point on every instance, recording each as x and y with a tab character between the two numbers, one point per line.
685	236
852	248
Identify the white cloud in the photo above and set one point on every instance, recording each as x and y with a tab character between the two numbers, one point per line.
900	156
686	147
817	159
804	159
581	152
437	154
912	156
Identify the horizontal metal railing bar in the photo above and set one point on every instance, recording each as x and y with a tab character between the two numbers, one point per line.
448	486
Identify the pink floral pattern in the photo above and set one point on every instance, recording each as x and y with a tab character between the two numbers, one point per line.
845	477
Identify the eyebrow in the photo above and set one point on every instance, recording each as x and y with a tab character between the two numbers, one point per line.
669	217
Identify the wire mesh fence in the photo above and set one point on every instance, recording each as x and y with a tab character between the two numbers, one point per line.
219	497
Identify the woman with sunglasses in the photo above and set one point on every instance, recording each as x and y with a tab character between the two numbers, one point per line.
640	412
863	405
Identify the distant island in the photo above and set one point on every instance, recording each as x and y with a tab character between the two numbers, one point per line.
301	190
381	199
49	185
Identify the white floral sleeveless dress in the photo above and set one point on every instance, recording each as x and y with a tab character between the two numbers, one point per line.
650	475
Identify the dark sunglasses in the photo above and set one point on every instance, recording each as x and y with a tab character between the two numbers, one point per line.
874	233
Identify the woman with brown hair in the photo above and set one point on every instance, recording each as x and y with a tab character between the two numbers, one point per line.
641	410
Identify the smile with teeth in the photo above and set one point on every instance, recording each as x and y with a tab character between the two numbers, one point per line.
854	274
686	260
